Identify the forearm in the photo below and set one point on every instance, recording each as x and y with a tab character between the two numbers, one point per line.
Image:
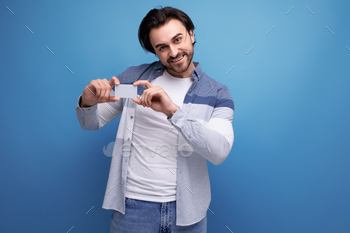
96	116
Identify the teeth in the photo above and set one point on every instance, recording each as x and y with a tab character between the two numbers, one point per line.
178	59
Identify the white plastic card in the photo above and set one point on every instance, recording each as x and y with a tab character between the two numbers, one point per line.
125	91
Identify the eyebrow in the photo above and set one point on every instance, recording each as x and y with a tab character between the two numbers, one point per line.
178	34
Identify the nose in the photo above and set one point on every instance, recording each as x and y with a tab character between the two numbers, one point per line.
173	51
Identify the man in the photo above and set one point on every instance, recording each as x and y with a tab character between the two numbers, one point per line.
158	180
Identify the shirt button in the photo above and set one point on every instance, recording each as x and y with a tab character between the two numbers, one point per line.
122	182
131	117
128	139
125	160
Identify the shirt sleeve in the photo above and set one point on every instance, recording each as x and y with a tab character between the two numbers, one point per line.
98	115
213	140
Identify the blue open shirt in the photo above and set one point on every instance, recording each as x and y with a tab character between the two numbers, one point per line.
205	125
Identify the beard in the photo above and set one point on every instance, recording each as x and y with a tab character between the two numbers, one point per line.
180	68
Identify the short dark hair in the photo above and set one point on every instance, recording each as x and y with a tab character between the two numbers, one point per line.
156	18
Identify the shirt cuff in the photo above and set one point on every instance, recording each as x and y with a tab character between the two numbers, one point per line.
178	118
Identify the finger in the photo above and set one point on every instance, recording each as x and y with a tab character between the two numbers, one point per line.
154	92
142	100
93	87
107	90
103	90
91	90
148	97
113	99
143	82
144	97
151	93
97	88
114	81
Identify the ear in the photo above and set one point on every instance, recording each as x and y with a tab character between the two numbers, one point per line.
192	36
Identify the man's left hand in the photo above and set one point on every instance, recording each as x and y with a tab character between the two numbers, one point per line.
156	98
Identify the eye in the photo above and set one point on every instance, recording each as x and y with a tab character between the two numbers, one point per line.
177	39
161	48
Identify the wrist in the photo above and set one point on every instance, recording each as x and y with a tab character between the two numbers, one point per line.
172	111
82	104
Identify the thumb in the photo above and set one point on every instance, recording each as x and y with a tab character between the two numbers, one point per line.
137	100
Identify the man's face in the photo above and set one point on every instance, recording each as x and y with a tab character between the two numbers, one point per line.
174	47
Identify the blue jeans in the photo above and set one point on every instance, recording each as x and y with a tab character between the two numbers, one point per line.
151	217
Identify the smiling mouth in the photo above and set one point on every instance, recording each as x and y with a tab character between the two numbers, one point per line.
173	61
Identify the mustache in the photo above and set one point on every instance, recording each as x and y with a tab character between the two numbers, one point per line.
177	56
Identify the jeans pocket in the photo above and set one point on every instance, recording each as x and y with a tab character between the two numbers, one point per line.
127	201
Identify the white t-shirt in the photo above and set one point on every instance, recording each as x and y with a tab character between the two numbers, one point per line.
153	160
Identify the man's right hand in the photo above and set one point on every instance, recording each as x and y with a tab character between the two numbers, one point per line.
98	91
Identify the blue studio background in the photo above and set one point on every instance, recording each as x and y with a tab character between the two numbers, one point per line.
286	63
